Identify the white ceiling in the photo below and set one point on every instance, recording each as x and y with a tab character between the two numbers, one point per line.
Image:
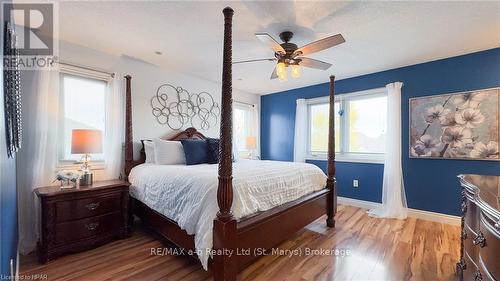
379	35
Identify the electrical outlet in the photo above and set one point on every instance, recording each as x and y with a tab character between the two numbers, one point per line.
355	183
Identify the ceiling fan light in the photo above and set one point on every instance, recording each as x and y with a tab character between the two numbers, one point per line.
295	71
281	69
282	76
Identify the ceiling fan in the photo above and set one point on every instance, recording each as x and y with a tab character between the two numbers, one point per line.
289	54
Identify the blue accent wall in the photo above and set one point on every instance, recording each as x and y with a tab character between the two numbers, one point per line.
431	185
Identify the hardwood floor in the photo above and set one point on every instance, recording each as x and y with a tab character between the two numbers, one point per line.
379	249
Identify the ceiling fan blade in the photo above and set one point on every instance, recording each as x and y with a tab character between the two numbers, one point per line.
312	63
320	45
269	41
274	75
245	61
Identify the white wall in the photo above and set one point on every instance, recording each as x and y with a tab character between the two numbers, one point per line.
146	78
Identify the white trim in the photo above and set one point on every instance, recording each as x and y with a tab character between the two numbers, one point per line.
325	99
83	71
350	158
435	217
358	203
74	165
414	213
16	273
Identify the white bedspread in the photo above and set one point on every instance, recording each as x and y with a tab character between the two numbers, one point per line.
188	194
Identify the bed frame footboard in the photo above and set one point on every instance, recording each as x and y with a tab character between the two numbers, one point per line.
257	235
250	237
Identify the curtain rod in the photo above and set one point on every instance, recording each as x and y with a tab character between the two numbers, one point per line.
246	103
112	74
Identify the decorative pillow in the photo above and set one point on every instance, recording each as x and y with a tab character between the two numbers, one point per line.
168	152
213	150
195	151
149	149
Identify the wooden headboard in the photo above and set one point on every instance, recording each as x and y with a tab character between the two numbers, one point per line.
189	133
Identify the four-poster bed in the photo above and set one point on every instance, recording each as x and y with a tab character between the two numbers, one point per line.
259	231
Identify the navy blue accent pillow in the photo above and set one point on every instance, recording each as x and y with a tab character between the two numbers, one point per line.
196	151
213	150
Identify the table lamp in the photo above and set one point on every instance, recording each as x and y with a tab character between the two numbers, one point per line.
86	141
251	144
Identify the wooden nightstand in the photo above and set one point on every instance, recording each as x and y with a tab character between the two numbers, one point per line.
82	218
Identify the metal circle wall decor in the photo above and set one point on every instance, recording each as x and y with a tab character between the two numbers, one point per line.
177	108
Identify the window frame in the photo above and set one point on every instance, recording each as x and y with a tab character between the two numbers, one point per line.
79	72
343	155
248	108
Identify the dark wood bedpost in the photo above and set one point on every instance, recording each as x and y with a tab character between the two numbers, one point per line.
330	182
225	265
129	149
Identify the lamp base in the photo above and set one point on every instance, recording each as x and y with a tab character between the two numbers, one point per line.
86	179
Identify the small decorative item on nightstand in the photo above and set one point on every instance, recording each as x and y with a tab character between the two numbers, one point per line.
79	219
86	141
68	179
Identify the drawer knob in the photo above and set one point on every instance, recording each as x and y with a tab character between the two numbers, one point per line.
92	206
478	276
461	266
479	240
92	226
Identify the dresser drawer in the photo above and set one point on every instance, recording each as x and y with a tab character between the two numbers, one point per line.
469	247
472	216
72	231
485	273
471	270
490	252
87	207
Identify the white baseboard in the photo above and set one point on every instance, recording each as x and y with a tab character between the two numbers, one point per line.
358	203
419	214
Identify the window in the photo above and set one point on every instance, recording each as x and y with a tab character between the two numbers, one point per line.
360	126
82	105
245	129
318	124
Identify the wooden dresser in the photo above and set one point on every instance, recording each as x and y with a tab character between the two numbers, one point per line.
81	218
480	237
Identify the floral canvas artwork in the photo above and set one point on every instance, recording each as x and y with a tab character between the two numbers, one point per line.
458	126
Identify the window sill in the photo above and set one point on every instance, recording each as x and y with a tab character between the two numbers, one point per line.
350	159
71	165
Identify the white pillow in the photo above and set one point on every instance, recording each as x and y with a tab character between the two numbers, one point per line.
168	152
149	149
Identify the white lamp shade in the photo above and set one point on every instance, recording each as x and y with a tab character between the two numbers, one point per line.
85	141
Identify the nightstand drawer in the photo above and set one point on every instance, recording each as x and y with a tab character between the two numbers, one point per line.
73	231
88	207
